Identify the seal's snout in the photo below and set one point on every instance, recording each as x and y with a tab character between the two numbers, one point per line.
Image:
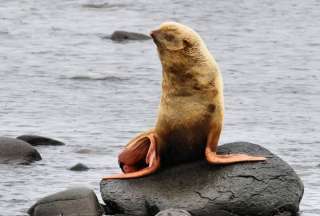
155	34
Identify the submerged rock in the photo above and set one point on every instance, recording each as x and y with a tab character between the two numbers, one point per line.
121	36
17	151
39	140
253	189
79	201
103	5
79	167
96	6
85	151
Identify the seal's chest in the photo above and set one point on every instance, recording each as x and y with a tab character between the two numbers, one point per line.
184	143
183	134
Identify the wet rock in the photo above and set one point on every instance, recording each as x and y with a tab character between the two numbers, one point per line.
173	212
121	36
256	188
79	167
39	140
96	6
103	5
16	151
75	201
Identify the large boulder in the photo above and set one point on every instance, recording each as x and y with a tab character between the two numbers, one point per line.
79	201
253	189
35	140
16	151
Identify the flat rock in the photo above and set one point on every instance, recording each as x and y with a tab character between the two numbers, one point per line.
35	140
78	201
252	189
121	36
15	151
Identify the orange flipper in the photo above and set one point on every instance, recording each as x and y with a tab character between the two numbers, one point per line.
212	156
139	158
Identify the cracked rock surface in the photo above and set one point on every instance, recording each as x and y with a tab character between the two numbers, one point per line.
78	201
252	189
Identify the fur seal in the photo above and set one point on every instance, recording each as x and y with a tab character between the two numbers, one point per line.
191	113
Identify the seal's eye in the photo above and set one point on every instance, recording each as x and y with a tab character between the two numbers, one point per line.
169	37
186	43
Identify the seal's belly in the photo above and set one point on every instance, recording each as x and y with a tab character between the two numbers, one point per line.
183	132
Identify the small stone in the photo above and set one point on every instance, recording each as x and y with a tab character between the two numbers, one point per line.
79	167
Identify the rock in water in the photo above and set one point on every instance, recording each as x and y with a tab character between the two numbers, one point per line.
17	151
124	36
76	201
253	189
79	167
39	140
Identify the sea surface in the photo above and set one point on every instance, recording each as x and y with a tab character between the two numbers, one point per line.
59	78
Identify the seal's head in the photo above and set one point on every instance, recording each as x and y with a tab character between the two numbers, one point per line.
177	43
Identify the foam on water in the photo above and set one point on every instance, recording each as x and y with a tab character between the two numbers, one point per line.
55	81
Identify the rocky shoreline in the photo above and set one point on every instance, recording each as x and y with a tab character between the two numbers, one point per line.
267	188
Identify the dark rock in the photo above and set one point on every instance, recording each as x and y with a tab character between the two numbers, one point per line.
39	140
16	151
79	167
76	201
173	212
96	6
103	5
121	36
253	189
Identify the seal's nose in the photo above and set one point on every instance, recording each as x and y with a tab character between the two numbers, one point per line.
154	34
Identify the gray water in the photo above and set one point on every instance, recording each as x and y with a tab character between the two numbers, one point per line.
60	79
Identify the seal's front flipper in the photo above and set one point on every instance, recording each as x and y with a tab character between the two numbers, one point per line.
212	156
139	158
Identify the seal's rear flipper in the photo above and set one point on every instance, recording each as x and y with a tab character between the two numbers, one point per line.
139	158
212	156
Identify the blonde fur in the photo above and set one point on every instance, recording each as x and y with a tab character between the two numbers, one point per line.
192	92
